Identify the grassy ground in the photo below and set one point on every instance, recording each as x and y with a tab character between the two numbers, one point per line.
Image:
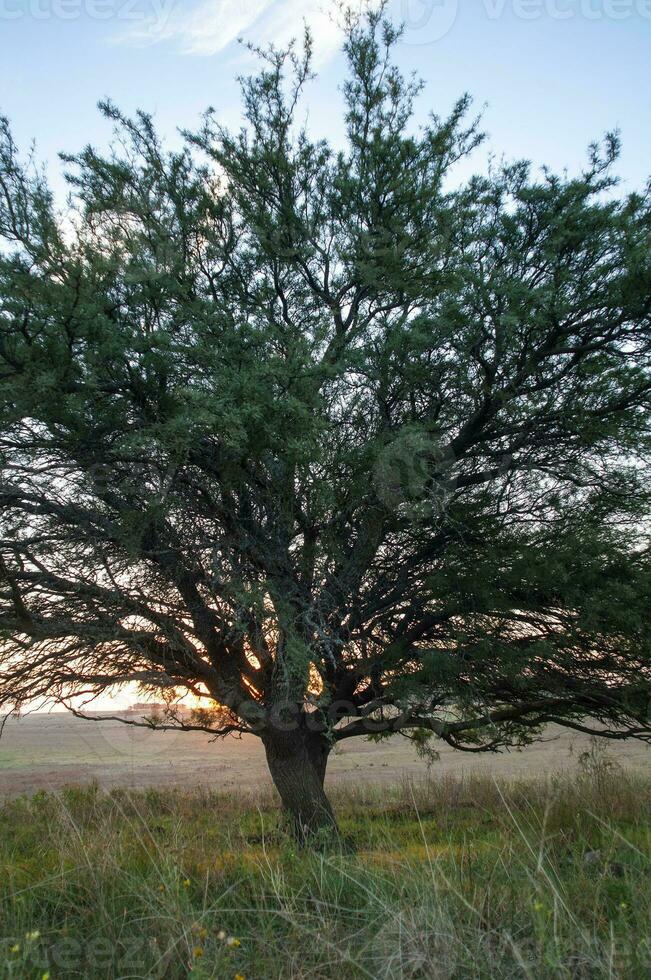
449	878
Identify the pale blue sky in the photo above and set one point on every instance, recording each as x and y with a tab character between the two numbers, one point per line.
555	74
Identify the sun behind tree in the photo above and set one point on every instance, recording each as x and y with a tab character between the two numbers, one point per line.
329	440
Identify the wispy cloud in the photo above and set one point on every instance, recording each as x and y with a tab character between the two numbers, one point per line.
285	20
209	26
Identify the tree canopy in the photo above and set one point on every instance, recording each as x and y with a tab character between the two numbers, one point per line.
330	438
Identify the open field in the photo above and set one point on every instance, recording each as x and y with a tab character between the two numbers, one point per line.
173	862
475	870
50	751
445	879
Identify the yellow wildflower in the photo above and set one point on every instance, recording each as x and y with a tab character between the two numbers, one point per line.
15	949
232	942
197	952
186	883
31	937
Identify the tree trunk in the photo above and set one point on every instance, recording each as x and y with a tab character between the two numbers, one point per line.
297	763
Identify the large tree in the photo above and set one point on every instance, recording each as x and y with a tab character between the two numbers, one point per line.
332	440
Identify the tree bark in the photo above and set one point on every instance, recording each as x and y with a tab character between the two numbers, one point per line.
297	762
